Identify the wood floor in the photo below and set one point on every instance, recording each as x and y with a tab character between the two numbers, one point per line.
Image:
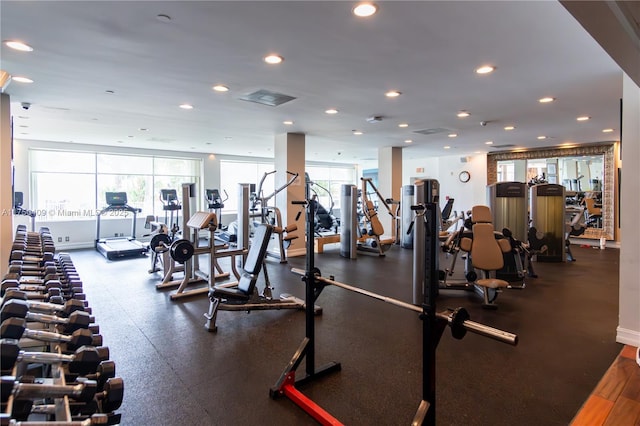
616	399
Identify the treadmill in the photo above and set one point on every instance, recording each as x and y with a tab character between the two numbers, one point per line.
119	247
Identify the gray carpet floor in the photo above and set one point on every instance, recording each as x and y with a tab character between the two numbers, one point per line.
176	372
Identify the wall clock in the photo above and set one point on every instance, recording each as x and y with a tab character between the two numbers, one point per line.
464	176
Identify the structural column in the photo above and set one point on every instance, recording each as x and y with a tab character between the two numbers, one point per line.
6	179
290	156
389	182
628	331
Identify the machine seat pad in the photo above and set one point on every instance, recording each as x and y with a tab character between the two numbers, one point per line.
492	283
228	293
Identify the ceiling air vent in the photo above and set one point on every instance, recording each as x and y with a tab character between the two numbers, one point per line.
432	131
508	145
266	97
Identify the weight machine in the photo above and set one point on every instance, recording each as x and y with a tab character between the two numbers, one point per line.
244	295
371	224
271	215
434	323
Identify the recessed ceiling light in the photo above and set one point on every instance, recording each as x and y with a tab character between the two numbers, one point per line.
287	122
273	59
109	92
478	152
485	69
18	45
186	106
546	99
365	9
331	111
130	136
403	125
509	127
446	147
143	129
488	143
357	132
120	142
463	114
228	138
607	130
392	94
220	88
20	79
208	143
163	18
583	118
541	137
452	135
408	141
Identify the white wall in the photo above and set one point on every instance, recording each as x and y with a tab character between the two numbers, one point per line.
628	330
446	171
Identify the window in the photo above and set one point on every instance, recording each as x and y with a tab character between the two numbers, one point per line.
328	182
63	184
233	173
70	185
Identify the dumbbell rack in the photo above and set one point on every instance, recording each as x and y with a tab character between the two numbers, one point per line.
53	365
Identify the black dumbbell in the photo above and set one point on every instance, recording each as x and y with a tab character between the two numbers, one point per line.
67	308
84	390
20	309
110	398
106	370
16	328
51	295
84	360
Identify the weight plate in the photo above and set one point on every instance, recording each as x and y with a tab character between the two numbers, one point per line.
160	243
181	250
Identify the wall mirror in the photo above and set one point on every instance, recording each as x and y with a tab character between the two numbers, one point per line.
587	173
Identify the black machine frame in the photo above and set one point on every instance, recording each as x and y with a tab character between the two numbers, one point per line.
119	247
434	323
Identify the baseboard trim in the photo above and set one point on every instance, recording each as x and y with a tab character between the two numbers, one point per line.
628	337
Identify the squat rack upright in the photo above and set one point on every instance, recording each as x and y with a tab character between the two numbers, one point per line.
434	323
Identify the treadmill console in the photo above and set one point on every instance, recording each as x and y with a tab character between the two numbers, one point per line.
116	198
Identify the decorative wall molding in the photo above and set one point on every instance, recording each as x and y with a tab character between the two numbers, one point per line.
607	150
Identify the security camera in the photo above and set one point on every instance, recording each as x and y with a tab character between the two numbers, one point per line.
26	105
483	123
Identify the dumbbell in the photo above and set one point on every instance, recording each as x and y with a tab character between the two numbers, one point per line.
84	360
42	290
16	328
105	371
64	309
84	390
52	295
110	398
26	257
20	309
19	268
23	268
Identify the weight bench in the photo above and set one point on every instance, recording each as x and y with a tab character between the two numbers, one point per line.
244	296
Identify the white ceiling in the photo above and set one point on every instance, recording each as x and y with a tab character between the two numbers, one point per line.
427	50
